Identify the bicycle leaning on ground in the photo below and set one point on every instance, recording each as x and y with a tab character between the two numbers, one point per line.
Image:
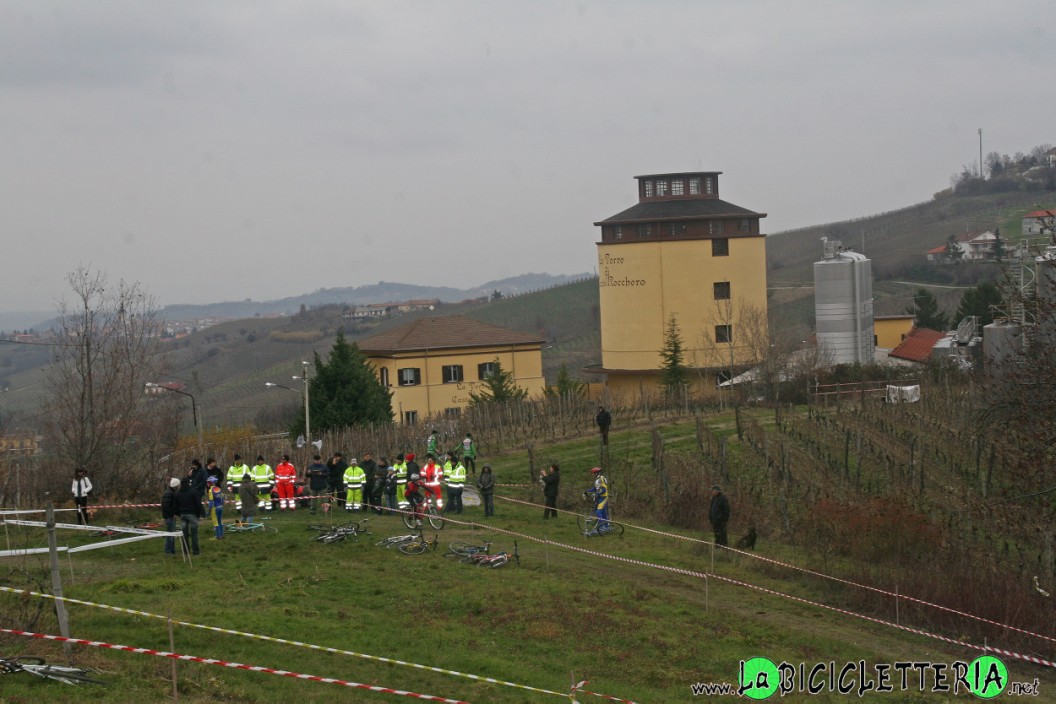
242	527
461	550
483	559
417	545
397	540
335	534
37	666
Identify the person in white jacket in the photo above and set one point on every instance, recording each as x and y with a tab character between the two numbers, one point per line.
82	486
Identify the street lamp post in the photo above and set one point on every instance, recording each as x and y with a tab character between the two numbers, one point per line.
194	406
307	415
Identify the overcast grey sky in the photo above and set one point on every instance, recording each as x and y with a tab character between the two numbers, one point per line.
229	150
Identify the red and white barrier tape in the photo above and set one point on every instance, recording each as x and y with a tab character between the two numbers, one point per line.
235	665
282	641
813	573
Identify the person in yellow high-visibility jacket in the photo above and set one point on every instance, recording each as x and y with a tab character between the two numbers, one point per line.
235	472
355	477
264	478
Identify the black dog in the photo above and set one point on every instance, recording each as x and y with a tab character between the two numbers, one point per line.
747	542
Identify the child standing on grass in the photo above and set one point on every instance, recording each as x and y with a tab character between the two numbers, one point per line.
247	492
214	499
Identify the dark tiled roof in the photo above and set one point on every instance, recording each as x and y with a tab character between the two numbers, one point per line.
687	209
444	332
918	345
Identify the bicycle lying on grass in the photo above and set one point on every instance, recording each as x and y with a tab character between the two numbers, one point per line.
37	666
335	534
397	540
241	527
417	545
484	559
467	549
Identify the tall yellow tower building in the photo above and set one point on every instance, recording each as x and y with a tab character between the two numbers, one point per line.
682	252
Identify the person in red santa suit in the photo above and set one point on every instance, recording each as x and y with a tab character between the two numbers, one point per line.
432	474
285	474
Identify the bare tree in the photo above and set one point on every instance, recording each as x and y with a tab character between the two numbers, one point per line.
108	352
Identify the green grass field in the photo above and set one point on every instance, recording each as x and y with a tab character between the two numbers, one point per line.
611	611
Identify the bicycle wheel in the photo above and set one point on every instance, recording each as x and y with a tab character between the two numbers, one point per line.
408	519
499	561
587	522
435	519
613	528
329	538
414	547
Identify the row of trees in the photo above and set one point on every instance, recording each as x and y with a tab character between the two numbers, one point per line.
980	301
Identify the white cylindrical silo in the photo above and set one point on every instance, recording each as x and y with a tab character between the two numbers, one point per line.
843	306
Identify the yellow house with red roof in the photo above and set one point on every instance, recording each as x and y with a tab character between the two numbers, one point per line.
432	365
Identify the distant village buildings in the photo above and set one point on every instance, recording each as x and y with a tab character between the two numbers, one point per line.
681	252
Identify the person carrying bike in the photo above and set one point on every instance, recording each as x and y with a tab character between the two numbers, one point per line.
600	494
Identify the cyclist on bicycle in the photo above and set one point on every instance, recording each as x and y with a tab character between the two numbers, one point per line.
600	494
413	494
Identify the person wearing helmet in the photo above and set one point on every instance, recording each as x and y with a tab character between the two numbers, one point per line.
414	497
600	494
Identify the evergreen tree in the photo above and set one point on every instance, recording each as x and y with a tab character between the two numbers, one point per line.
675	374
999	245
345	391
499	387
925	311
979	301
567	386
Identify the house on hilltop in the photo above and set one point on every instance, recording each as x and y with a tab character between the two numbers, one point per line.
433	364
1035	222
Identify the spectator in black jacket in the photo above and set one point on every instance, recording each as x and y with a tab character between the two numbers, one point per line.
318	481
551	479
189	509
198	477
369	465
486	484
168	513
719	514
603	421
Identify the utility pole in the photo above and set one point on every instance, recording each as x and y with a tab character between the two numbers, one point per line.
981	174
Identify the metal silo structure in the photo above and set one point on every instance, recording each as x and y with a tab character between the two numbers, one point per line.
843	305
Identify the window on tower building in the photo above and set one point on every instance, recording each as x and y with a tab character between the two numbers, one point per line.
722	290
709	185
720	247
661	187
617	232
645	229
745	225
724	333
649	188
694	185
678	187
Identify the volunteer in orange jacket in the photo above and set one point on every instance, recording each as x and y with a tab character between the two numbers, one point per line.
285	474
